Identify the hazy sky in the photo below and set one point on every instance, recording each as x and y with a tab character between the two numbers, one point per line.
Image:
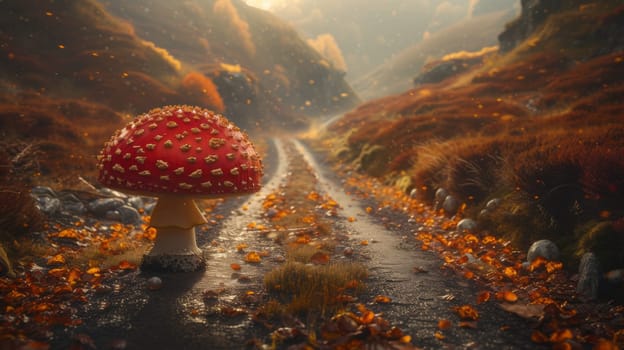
370	32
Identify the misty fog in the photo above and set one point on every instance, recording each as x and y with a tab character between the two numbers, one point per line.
370	33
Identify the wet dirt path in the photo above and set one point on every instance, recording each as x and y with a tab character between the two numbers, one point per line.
206	310
419	300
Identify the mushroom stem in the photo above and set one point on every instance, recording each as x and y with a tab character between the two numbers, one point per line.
175	248
175	241
176	211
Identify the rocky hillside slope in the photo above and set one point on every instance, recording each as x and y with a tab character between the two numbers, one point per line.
539	126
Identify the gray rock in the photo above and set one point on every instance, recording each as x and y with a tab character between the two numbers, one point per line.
48	205
493	203
147	209
74	207
544	248
110	192
450	204
71	203
112	215
100	206
135	201
466	224
271	213
40	191
589	276
154	283
129	215
440	194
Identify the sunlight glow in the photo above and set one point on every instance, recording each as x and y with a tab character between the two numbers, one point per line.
267	4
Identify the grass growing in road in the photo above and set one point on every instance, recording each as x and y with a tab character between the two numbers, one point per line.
309	282
305	288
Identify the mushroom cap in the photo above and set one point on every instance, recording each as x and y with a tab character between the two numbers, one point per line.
180	150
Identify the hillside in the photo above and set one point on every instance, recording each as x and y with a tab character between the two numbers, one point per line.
259	63
539	126
396	74
72	72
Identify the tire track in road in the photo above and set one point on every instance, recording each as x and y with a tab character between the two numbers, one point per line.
420	300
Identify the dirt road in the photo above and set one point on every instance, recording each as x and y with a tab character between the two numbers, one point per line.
213	309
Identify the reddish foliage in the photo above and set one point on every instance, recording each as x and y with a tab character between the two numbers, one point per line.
204	90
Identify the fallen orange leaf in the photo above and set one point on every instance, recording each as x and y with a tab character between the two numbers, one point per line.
468	324
235	267
444	324
382	299
58	259
510	272
367	317
319	258
241	247
253	257
406	339
510	297
483	296
467	312
126	265
561	335
93	270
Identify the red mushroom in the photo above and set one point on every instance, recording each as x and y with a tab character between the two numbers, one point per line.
178	154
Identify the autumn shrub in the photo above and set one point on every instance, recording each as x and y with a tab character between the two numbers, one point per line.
18	213
526	74
202	88
582	81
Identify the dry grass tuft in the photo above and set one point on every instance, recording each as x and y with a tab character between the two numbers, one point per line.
305	288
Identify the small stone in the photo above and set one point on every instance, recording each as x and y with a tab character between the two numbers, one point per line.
48	205
40	191
413	193
440	194
154	283
589	276
147	209
129	215
493	203
466	224
483	213
101	206
110	192
450	204
112	215
544	248
135	201
348	251
271	213
70	203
